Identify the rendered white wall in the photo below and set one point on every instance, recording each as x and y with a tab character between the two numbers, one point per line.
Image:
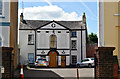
67	60
4	33
46	52
6	12
24	47
101	24
4	30
43	39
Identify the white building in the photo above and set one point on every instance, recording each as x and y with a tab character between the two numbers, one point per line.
62	43
4	23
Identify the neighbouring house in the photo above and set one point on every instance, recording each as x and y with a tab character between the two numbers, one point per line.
109	26
4	23
91	49
9	27
62	43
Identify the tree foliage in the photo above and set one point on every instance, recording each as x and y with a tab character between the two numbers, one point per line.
92	38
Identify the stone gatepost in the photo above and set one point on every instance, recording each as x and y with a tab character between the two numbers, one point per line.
104	63
6	62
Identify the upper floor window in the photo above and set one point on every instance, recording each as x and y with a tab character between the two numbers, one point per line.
31	39
53	41
1	7
47	31
59	31
74	34
74	45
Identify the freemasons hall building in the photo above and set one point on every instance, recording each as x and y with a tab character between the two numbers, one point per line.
61	43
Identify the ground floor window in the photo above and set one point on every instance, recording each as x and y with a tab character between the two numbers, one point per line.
31	57
74	59
0	41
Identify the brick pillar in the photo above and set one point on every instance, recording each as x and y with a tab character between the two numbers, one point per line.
104	66
6	62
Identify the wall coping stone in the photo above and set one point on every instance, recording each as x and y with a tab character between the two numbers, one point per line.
105	48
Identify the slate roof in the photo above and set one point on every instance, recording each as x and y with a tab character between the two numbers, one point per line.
34	24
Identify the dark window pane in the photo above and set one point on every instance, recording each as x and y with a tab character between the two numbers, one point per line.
31	39
74	34
59	31
74	44
47	31
74	59
0	7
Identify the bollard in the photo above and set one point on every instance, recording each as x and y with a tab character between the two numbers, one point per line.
77	74
21	73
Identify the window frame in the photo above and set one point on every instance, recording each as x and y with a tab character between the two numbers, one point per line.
74	34
72	47
28	57
0	41
32	38
74	57
2	16
53	43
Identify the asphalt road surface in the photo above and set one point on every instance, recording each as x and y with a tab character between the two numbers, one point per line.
58	73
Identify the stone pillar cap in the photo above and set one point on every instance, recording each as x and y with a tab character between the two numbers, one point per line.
105	48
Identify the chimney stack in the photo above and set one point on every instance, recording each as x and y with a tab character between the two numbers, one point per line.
21	17
84	18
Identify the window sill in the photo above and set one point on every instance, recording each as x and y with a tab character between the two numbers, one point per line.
1	16
30	44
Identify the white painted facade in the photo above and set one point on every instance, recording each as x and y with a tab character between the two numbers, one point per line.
101	23
5	24
41	46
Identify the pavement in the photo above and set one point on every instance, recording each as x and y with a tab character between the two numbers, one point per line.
58	73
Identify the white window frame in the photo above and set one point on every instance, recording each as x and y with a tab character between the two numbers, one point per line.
29	43
2	9
30	58
72	44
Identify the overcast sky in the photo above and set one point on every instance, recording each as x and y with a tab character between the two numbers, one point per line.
68	11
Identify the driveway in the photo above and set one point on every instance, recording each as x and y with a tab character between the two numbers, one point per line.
58	73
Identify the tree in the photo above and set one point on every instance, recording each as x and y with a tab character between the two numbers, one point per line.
92	38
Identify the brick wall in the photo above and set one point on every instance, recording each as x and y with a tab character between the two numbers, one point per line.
104	66
6	62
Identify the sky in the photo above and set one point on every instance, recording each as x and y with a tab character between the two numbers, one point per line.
67	11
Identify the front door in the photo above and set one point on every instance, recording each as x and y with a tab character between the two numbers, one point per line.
63	61
53	59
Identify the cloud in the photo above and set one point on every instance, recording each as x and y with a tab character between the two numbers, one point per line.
51	12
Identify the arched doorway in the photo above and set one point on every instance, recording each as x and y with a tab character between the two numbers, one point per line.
53	59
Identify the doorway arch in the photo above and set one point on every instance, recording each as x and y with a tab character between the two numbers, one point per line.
53	58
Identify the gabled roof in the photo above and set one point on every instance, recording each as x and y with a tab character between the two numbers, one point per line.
35	24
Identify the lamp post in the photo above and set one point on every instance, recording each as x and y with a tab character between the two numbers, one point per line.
82	25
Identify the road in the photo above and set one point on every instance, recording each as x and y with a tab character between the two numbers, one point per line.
58	73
